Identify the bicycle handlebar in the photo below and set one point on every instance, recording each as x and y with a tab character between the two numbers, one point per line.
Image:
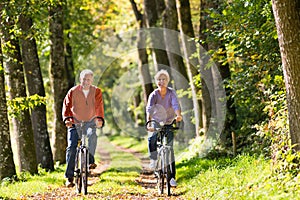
160	126
78	121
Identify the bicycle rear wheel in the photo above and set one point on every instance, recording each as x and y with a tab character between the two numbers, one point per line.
84	169
78	176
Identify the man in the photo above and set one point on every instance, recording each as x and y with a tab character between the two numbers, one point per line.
83	102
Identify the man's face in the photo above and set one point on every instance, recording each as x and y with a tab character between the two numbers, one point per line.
86	81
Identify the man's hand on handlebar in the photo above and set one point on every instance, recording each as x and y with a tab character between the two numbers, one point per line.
69	123
98	122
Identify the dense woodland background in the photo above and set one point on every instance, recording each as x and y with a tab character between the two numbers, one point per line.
235	65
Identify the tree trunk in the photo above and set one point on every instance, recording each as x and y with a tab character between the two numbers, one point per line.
189	49
157	43
231	120
179	73
143	56
69	61
35	85
287	17
160	7
7	167
213	94
17	89
59	82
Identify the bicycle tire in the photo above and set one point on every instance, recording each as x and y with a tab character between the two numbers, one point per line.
84	169
168	173
78	176
160	178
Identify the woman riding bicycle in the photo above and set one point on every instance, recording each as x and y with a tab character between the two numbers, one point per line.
83	102
163	106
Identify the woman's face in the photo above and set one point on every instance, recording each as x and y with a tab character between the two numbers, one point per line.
162	81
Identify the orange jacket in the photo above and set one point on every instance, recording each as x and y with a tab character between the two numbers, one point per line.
83	108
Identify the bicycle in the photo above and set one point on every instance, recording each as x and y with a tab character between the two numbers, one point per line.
82	170
163	167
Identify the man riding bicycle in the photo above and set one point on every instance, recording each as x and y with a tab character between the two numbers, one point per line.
163	106
83	102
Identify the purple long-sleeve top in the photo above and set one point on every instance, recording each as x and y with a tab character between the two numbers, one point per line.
163	109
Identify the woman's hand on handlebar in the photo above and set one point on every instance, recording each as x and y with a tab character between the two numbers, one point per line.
150	129
178	118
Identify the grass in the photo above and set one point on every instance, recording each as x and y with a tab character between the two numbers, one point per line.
139	145
223	178
31	184
243	177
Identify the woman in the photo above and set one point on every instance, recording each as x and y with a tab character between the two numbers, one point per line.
163	106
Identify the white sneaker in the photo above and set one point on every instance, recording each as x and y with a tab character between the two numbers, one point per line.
152	164
173	182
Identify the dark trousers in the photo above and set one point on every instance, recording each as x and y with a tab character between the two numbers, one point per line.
72	147
152	149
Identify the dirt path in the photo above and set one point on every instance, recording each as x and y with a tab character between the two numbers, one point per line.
146	180
65	193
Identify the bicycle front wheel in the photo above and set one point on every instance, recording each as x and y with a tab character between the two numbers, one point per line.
84	169
78	177
160	177
168	173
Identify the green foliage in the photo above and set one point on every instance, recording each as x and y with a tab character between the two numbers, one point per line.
285	159
19	104
249	46
252	79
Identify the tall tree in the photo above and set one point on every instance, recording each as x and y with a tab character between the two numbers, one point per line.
179	73
35	86
190	50
142	52
211	79
69	64
7	167
58	76
152	17
213	44
17	90
287	17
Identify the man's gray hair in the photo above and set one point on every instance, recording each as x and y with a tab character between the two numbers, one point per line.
85	72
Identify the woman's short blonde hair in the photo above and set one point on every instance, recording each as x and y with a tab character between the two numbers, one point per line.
162	72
